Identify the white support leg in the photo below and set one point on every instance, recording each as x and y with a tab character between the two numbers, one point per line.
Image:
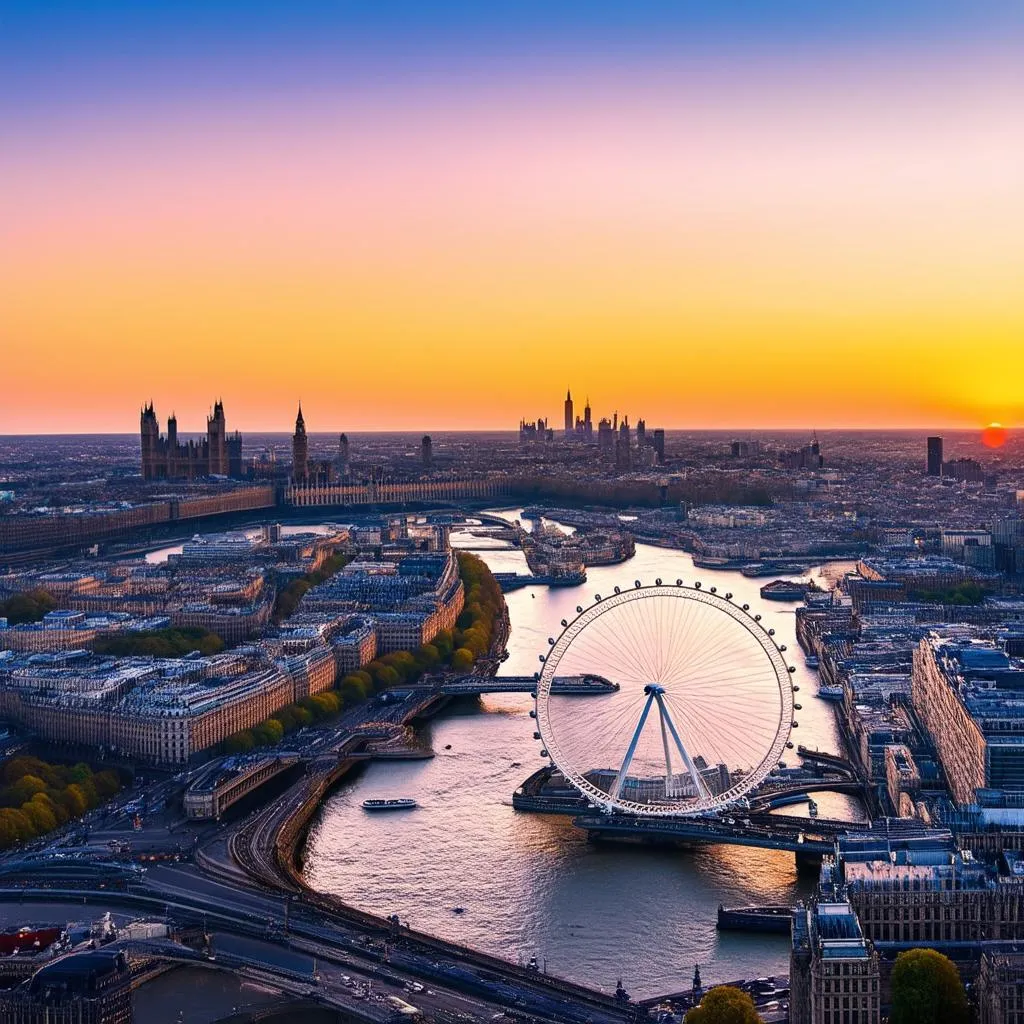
702	789
627	760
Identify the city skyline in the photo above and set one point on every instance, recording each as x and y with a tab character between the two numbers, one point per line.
718	217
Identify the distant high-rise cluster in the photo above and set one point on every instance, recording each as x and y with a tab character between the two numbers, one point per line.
165	458
614	439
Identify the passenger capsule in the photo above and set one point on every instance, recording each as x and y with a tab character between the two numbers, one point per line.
543	753
714	590
679	583
697	584
757	618
636	583
771	632
565	622
657	582
617	590
746	607
782	647
728	595
579	609
792	668
551	641
798	707
533	713
536	735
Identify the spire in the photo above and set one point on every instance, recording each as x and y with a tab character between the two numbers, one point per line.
300	423
568	395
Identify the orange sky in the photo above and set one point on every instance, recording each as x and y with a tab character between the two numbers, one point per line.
839	244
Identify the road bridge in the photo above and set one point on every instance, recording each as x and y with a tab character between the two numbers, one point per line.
696	830
227	782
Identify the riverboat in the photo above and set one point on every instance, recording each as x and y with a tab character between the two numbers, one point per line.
771	569
811	661
827	692
395	804
784	590
755	919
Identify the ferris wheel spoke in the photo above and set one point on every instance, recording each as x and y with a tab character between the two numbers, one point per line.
640	639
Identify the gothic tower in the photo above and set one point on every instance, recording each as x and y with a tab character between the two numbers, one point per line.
217	438
149	430
300	450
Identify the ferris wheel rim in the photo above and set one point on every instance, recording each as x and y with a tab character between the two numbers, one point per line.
743	616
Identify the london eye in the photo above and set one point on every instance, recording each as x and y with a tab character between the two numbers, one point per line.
699	708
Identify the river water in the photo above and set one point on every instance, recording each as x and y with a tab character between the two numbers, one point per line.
531	885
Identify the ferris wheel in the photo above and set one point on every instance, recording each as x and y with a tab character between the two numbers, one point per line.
688	703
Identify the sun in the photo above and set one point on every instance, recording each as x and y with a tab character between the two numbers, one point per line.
994	436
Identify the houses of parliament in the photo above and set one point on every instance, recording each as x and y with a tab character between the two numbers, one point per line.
164	457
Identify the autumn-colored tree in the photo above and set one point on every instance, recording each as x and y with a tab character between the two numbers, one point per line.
724	1005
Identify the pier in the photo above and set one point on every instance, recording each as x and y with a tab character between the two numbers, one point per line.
509	581
471	685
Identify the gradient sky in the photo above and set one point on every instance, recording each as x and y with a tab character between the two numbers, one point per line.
419	215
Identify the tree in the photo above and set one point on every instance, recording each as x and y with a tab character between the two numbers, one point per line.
462	660
926	989
724	1005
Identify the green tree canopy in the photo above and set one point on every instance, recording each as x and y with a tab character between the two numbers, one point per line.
30	606
724	1005
926	989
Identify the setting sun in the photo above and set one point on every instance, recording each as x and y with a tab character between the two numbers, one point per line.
994	436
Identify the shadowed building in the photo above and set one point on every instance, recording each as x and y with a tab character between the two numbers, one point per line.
300	450
165	458
93	987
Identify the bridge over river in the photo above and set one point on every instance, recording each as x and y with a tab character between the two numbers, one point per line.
810	843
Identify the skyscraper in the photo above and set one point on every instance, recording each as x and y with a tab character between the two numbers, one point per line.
300	450
935	456
623	455
343	455
588	425
427	451
659	446
569	421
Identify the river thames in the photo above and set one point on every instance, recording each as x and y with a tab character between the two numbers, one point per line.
531	885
